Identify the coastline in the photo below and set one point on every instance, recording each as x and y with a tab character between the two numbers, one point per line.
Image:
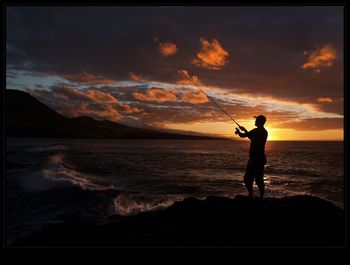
216	221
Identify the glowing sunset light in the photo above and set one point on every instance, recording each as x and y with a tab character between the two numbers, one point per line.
174	125
141	80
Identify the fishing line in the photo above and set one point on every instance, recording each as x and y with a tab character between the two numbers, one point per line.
194	83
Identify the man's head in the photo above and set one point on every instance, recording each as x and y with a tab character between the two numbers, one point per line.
260	120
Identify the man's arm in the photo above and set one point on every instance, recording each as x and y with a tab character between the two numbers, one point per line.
243	129
240	134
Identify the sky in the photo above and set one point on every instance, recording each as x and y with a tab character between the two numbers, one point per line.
137	66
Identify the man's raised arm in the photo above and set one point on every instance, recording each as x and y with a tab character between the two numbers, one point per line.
240	134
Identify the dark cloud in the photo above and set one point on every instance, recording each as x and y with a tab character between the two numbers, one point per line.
266	44
119	104
332	105
85	78
319	124
73	101
96	46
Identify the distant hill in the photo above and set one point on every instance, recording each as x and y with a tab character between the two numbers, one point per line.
28	117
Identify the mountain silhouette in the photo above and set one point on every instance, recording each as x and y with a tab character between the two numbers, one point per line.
28	117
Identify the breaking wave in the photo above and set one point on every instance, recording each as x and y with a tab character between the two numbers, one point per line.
58	174
132	204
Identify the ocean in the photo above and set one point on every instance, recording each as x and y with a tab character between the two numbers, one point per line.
52	180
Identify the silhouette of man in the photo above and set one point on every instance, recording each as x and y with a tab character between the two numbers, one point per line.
257	158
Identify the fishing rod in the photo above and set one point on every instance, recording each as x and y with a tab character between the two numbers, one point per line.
194	83
216	104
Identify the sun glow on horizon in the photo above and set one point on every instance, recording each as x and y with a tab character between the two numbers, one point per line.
226	129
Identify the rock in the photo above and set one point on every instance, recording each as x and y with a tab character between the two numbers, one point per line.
215	221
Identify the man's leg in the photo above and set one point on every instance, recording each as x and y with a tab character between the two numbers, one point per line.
261	187
259	180
249	185
249	179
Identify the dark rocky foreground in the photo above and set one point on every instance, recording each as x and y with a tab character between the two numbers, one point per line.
216	221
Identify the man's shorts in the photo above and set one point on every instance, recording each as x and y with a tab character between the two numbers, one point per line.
254	171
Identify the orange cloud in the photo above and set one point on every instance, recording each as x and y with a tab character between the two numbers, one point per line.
110	113
211	55
136	78
320	58
75	110
139	77
75	94
85	78
167	48
194	97
155	94
128	109
70	93
325	100
99	96
186	76
98	112
101	111
73	102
